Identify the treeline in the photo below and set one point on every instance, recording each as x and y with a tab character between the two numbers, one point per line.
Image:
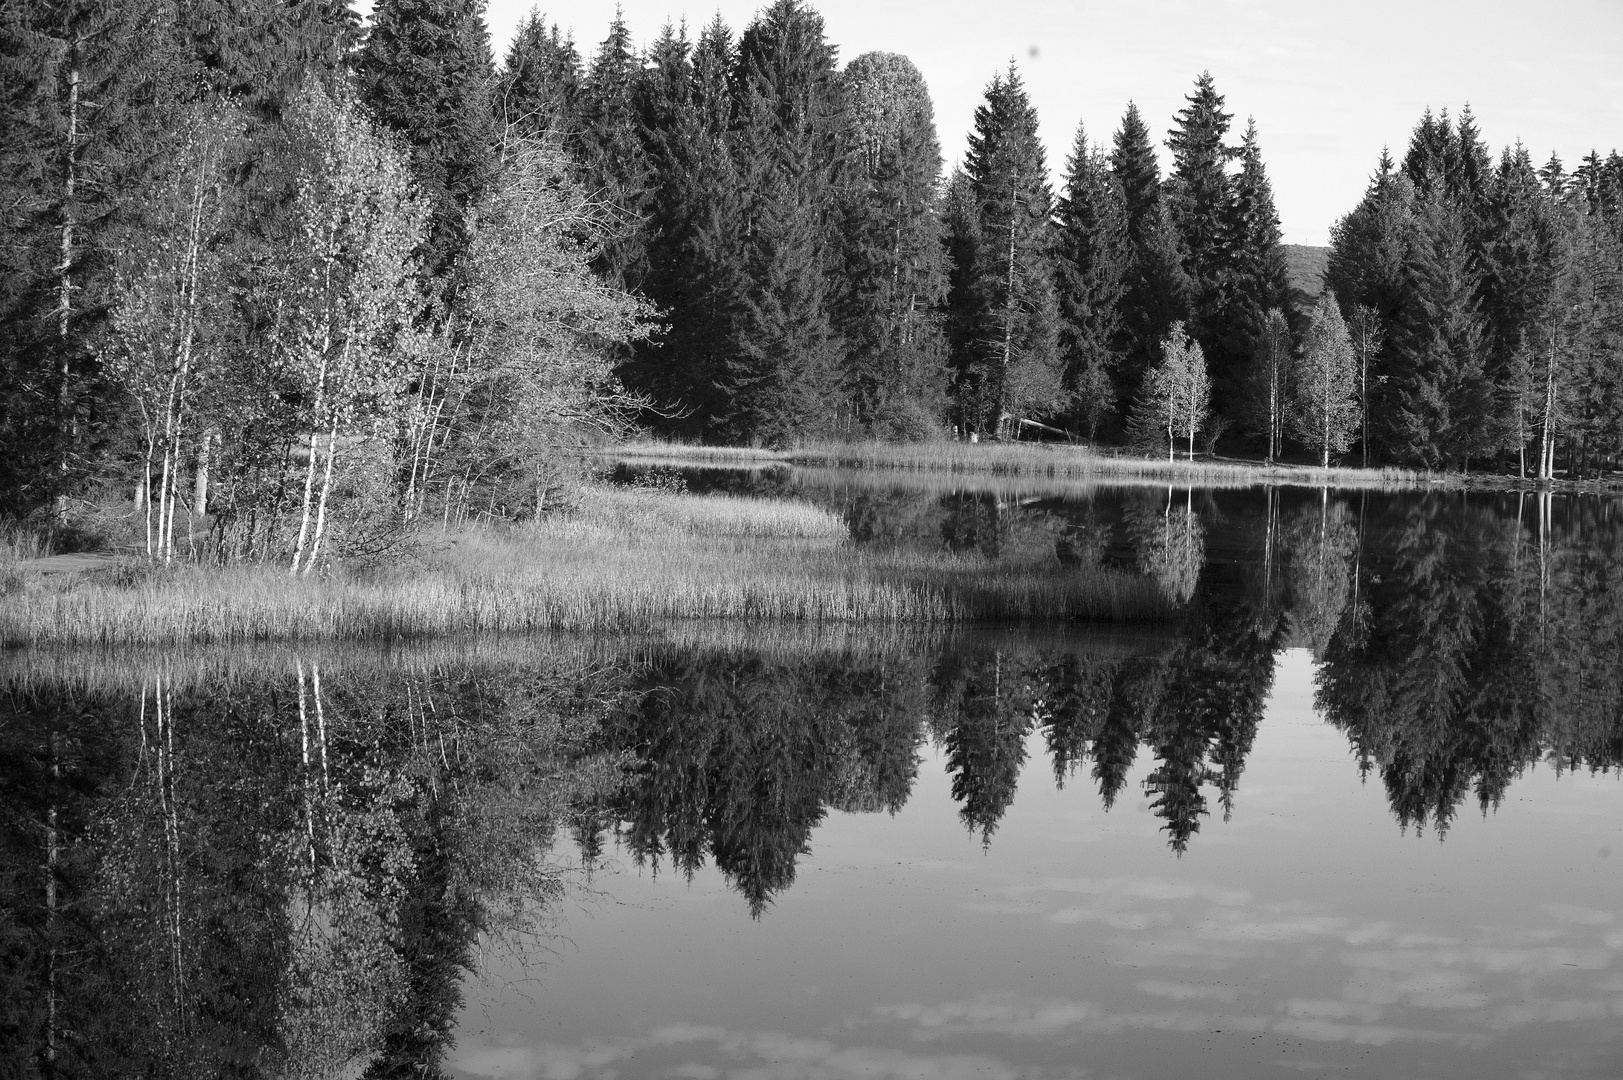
260	265
1486	302
322	283
818	275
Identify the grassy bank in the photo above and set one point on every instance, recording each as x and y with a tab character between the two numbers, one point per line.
627	559
1030	460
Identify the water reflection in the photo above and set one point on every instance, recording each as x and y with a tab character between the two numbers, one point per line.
274	871
281	864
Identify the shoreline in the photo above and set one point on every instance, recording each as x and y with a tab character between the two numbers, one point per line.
1055	461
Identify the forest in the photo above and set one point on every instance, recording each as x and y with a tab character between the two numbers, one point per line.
315	284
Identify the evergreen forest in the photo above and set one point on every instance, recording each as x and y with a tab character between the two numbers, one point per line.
319	281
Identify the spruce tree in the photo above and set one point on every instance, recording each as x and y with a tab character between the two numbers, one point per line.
1525	255
961	242
1091	268
696	237
537	92
426	74
86	92
790	150
1368	269
259	52
1255	262
1198	199
1156	290
1442	395
611	150
893	272
1012	359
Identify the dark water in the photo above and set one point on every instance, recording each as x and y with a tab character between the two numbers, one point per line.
1356	809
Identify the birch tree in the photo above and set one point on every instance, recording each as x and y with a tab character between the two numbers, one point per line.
1325	411
172	296
350	287
1177	393
526	373
1271	364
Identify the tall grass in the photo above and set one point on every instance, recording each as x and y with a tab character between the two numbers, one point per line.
626	560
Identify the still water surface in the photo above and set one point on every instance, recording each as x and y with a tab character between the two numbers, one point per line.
1357	810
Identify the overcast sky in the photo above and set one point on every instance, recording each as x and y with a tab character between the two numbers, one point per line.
1328	84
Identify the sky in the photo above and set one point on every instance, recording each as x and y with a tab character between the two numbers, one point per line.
1328	84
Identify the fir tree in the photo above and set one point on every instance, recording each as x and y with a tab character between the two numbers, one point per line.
696	236
893	276
1156	289
1524	255
426	74
1367	268
1091	267
86	91
1012	360
611	149
539	86
1442	396
1198	200
259	52
1255	263
961	242
789	152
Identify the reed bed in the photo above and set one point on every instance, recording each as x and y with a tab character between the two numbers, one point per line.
625	561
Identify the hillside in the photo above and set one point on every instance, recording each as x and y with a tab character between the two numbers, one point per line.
1305	267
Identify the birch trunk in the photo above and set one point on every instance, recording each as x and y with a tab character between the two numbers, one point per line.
64	314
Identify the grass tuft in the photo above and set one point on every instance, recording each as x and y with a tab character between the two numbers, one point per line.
626	560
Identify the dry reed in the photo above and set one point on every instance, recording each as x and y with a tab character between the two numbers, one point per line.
626	561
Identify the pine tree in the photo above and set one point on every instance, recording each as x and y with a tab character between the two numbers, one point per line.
1091	266
961	242
1198	201
1325	413
893	273
1524	255
1255	262
426	74
611	150
1156	290
1442	396
1012	359
789	150
538	90
696	237
1367	269
86	91
259	52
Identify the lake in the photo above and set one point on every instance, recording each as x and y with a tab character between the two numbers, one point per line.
1355	809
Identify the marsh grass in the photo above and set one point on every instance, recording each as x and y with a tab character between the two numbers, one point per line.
1050	461
625	560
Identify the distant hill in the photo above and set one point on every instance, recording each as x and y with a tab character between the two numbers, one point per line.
1305	267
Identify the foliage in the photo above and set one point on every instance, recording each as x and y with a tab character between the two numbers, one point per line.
1175	401
1324	411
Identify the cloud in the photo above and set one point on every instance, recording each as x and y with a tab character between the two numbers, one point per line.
1187	991
717	1052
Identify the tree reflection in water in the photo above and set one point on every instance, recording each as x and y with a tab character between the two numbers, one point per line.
281	866
274	871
